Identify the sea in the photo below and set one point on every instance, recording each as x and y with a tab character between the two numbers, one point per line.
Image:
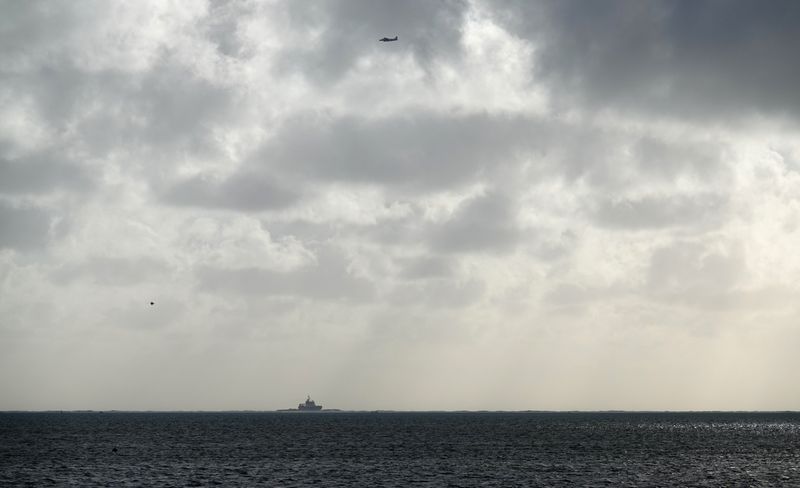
394	449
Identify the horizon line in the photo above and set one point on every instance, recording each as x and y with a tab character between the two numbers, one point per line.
337	410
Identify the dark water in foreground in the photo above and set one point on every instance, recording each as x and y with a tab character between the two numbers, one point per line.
400	449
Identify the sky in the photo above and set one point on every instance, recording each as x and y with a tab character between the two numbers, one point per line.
553	205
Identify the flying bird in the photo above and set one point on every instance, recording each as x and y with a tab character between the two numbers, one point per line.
152	303
388	39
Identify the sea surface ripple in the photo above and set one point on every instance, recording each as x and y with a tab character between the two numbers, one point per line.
399	449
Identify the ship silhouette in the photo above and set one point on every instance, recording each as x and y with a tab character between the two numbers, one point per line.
309	406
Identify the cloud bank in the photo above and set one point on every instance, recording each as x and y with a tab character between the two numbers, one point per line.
518	205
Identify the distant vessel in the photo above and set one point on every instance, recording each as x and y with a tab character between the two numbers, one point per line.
309	405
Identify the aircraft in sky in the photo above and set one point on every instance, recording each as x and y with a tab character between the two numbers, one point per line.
388	39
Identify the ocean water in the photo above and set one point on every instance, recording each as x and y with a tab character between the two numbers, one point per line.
399	449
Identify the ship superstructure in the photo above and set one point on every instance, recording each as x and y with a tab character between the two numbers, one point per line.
309	406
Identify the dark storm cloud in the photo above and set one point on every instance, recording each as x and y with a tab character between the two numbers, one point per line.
223	22
653	211
425	150
40	42
302	230
58	92
342	31
424	267
328	279
180	107
167	105
243	191
41	173
395	232
28	27
23	228
106	271
680	57
483	223
661	160
168	108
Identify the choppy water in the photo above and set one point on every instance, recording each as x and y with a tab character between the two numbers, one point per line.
400	449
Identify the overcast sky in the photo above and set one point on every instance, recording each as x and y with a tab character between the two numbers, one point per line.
517	205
